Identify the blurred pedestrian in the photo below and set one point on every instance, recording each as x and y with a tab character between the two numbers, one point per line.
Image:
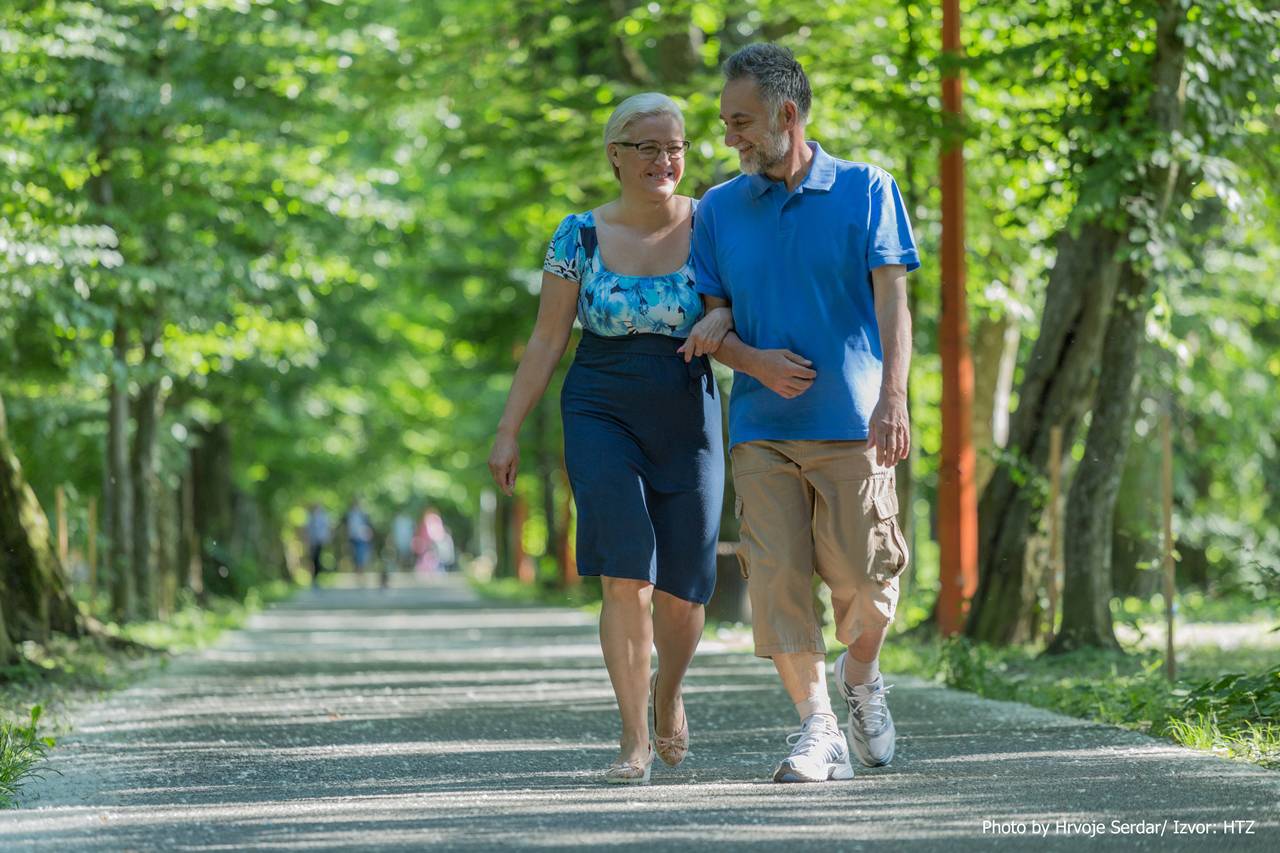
319	532
359	535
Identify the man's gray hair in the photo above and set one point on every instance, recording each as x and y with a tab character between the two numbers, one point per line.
777	74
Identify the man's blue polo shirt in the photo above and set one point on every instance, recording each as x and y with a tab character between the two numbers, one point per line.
796	268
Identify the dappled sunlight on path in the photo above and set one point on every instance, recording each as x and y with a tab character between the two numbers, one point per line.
416	716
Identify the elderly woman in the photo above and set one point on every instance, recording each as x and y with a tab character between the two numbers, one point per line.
641	413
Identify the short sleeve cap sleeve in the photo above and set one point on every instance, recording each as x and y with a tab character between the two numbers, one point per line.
889	234
706	270
563	256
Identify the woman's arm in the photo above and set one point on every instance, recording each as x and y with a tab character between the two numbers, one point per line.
707	334
781	371
557	306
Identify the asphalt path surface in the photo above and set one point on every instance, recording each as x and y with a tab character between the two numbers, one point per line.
420	717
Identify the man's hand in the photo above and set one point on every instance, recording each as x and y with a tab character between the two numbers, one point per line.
783	372
707	334
889	430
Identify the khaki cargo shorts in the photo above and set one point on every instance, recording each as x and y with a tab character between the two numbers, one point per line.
824	506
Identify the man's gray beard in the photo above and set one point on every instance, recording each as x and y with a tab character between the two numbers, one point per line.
764	158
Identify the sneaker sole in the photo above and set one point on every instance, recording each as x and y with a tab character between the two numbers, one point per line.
835	773
864	757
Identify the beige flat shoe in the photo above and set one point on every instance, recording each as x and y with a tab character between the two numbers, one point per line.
630	772
672	750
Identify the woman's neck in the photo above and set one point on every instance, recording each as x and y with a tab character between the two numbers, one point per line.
646	212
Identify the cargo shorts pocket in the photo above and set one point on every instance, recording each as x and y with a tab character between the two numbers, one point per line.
889	545
742	536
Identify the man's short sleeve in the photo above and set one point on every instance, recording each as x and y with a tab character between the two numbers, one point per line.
706	272
562	256
889	239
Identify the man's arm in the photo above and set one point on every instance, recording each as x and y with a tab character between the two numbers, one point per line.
890	426
781	371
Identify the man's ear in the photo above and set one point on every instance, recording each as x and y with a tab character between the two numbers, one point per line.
790	114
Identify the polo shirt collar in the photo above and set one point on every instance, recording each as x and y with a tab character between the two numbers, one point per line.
822	171
822	174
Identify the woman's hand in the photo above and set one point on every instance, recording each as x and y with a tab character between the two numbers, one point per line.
504	461
707	334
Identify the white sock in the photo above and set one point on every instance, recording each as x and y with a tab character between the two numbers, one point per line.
820	704
858	672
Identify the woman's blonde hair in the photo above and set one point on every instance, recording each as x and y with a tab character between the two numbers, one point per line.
644	105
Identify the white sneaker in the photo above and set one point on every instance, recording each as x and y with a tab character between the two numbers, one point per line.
819	753
871	730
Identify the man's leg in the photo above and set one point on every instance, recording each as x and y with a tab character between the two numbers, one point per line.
775	509
860	553
863	664
805	680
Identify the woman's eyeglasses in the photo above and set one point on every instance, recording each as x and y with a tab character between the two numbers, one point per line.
651	150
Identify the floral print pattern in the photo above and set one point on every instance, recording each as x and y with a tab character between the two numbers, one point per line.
613	305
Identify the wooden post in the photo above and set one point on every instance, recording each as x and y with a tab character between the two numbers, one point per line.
60	501
525	570
1055	528
957	495
1166	434
91	548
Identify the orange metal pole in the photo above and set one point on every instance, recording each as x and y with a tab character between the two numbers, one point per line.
957	497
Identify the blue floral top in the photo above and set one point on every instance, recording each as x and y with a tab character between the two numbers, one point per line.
614	305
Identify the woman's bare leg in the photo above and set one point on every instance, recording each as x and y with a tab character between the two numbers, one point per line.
626	637
677	628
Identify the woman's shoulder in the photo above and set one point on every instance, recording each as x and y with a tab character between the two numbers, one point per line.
574	221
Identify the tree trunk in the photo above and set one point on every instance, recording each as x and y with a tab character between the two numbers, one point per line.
1136	519
995	349
168	546
546	477
1058	383
35	596
1055	390
1086	593
118	493
191	564
146	413
211	470
8	652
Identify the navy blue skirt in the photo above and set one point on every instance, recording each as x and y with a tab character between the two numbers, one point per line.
645	456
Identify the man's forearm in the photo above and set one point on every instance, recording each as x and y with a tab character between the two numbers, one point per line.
894	320
735	354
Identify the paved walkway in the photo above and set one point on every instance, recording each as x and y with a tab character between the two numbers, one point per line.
420	717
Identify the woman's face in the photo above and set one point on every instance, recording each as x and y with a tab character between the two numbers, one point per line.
658	177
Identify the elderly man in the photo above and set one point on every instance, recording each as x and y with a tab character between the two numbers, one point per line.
812	254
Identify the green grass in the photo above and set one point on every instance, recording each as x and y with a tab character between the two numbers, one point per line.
22	749
1224	701
50	678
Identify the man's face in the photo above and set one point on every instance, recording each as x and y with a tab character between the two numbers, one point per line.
751	128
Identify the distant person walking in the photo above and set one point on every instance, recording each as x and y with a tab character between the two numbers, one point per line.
359	535
641	426
402	539
319	532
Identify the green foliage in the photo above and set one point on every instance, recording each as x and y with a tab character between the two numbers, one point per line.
322	223
1235	714
1235	700
22	750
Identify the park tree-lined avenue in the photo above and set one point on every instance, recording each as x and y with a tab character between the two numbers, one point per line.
255	254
